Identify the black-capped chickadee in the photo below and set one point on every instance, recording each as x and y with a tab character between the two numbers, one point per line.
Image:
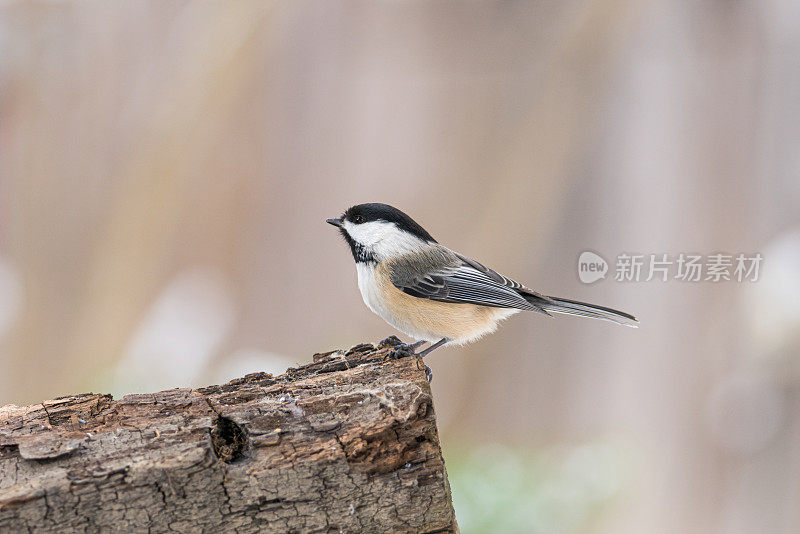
432	293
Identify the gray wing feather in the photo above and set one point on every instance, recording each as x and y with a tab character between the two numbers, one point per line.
445	276
500	279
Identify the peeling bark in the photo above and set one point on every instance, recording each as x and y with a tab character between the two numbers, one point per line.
345	444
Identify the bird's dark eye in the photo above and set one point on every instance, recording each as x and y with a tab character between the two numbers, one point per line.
358	219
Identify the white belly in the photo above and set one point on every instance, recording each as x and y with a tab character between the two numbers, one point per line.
369	288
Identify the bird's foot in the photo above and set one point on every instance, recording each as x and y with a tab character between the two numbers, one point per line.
399	347
414	346
391	341
400	351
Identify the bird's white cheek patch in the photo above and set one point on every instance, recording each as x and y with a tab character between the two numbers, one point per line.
369	233
383	239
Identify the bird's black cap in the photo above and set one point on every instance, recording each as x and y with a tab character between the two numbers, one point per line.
375	211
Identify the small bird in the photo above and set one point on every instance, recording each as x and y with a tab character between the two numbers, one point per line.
434	294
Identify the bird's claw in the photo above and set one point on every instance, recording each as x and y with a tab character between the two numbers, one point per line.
399	349
391	341
397	353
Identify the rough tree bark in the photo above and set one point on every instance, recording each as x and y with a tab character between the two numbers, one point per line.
345	444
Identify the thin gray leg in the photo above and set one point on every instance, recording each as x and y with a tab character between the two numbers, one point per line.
433	347
416	344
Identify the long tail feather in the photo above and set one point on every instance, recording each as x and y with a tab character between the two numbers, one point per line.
584	309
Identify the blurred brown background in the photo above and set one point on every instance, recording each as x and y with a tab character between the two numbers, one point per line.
166	168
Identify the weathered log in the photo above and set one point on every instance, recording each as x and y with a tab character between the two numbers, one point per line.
345	444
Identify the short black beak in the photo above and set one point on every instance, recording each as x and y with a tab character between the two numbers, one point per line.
335	222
